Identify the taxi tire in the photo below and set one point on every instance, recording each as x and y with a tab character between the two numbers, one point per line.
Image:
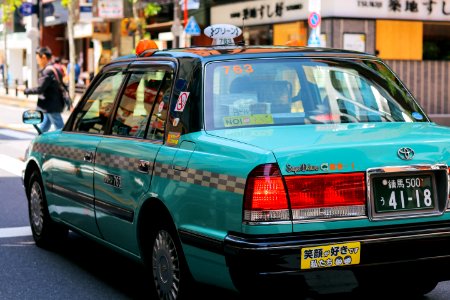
167	265
46	232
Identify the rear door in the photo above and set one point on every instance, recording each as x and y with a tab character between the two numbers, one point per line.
125	157
74	159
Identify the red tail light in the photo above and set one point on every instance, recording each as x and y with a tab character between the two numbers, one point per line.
310	196
265	195
327	196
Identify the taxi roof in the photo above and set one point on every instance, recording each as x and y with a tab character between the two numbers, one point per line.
209	53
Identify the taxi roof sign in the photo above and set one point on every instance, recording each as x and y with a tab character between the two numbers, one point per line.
222	34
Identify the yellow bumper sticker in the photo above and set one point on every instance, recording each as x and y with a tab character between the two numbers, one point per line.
248	120
334	255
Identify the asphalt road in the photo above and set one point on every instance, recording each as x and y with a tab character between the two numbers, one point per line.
82	269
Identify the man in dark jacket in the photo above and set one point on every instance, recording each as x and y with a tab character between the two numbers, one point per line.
50	100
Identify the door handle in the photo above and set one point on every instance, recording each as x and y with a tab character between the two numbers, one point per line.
88	155
143	166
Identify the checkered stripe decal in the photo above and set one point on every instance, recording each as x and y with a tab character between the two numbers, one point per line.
108	160
118	162
59	151
204	178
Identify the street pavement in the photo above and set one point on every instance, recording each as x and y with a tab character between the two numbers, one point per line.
26	102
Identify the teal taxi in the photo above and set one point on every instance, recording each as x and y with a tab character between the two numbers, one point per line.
250	168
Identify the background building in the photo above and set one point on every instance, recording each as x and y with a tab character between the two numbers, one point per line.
413	36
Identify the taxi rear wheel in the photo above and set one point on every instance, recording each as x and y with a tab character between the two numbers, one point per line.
46	232
169	271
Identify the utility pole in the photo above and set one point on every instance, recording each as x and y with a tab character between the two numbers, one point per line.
314	19
176	27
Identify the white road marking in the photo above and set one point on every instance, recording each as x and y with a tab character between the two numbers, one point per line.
16	133
11	165
15	231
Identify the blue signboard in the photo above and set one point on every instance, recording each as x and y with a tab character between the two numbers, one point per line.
27	9
192	27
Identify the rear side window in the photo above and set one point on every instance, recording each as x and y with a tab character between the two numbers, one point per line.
94	114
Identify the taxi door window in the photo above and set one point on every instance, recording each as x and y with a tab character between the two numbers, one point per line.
95	112
142	108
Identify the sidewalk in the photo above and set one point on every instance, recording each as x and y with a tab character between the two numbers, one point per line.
25	102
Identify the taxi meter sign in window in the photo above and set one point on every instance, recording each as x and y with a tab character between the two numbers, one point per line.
222	34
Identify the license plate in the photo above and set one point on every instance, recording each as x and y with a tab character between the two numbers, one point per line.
403	193
333	255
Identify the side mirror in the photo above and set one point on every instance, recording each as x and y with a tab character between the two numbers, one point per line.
33	117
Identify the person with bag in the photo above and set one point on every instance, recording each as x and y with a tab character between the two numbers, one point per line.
50	96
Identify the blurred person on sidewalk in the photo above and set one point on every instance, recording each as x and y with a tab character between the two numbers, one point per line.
77	71
60	66
50	100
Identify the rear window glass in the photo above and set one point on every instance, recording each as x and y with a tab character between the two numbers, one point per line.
263	92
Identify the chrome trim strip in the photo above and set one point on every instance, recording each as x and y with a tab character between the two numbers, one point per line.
74	195
377	239
114	210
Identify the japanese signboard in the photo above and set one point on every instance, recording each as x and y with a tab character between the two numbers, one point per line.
275	11
259	12
427	10
110	9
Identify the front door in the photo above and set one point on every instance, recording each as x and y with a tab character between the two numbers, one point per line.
126	156
74	161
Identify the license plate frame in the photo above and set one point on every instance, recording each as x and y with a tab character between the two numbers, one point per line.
413	207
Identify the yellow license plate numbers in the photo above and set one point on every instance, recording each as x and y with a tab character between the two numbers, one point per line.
333	255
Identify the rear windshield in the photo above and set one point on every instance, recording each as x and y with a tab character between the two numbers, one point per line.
266	92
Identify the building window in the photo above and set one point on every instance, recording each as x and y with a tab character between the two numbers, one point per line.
436	41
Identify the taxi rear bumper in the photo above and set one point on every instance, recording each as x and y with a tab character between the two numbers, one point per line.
266	260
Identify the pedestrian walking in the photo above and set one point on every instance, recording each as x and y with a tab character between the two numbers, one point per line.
60	66
50	99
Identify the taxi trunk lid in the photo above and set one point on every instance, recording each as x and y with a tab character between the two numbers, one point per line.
351	170
311	149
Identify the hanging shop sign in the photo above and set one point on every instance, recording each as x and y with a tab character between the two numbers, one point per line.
110	9
54	13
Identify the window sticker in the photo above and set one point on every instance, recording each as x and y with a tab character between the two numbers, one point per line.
173	138
247	120
161	106
238	69
181	103
417	116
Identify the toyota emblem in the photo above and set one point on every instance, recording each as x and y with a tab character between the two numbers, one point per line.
405	153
